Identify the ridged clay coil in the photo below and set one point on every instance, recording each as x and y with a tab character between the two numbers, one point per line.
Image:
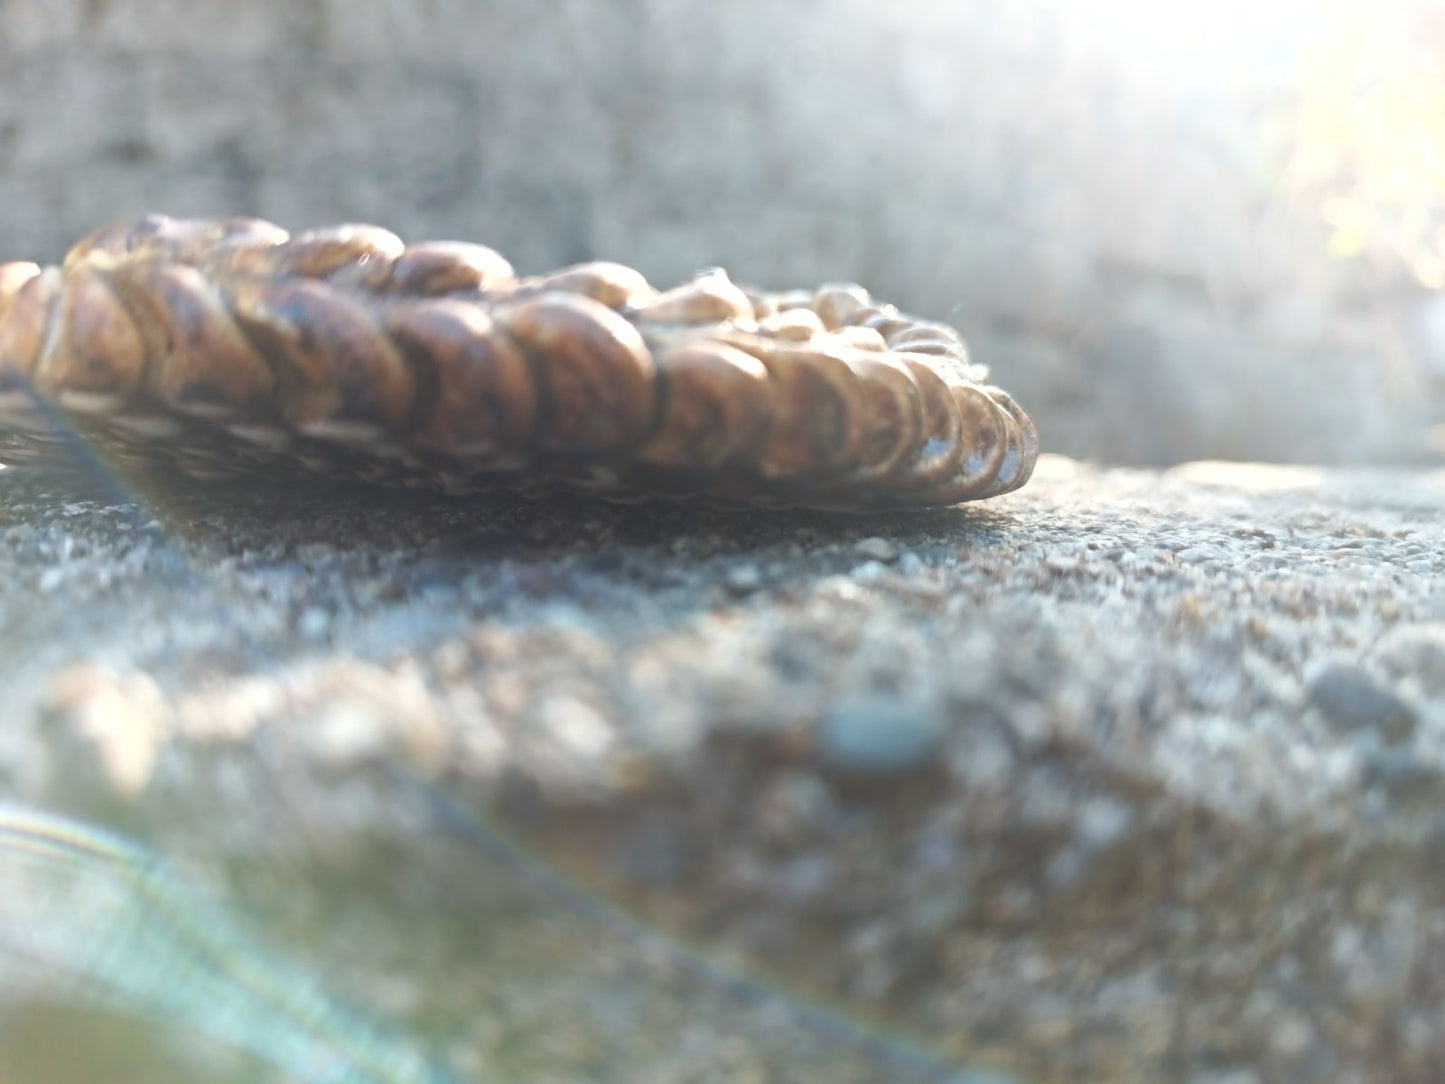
231	347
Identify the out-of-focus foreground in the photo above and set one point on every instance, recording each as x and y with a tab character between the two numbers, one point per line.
1175	236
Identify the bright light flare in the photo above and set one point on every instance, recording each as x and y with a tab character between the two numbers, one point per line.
1354	99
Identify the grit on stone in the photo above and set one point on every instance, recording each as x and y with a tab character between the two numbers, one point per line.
1131	776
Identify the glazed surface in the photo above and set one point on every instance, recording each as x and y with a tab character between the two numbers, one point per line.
230	347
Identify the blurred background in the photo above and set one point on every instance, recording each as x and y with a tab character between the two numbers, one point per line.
1176	232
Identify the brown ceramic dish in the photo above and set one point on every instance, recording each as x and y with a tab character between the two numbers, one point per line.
232	347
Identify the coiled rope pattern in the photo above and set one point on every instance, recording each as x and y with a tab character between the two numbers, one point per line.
232	347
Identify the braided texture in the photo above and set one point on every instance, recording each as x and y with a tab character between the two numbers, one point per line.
232	347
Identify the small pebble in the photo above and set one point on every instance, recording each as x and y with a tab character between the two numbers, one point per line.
877	734
743	580
1352	700
879	549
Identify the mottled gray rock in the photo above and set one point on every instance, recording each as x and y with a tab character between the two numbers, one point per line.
1061	788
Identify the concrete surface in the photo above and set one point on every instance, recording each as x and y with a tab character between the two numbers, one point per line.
1130	776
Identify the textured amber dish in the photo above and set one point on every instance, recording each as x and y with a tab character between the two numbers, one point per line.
231	347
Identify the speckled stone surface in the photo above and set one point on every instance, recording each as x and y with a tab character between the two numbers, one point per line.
1131	776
